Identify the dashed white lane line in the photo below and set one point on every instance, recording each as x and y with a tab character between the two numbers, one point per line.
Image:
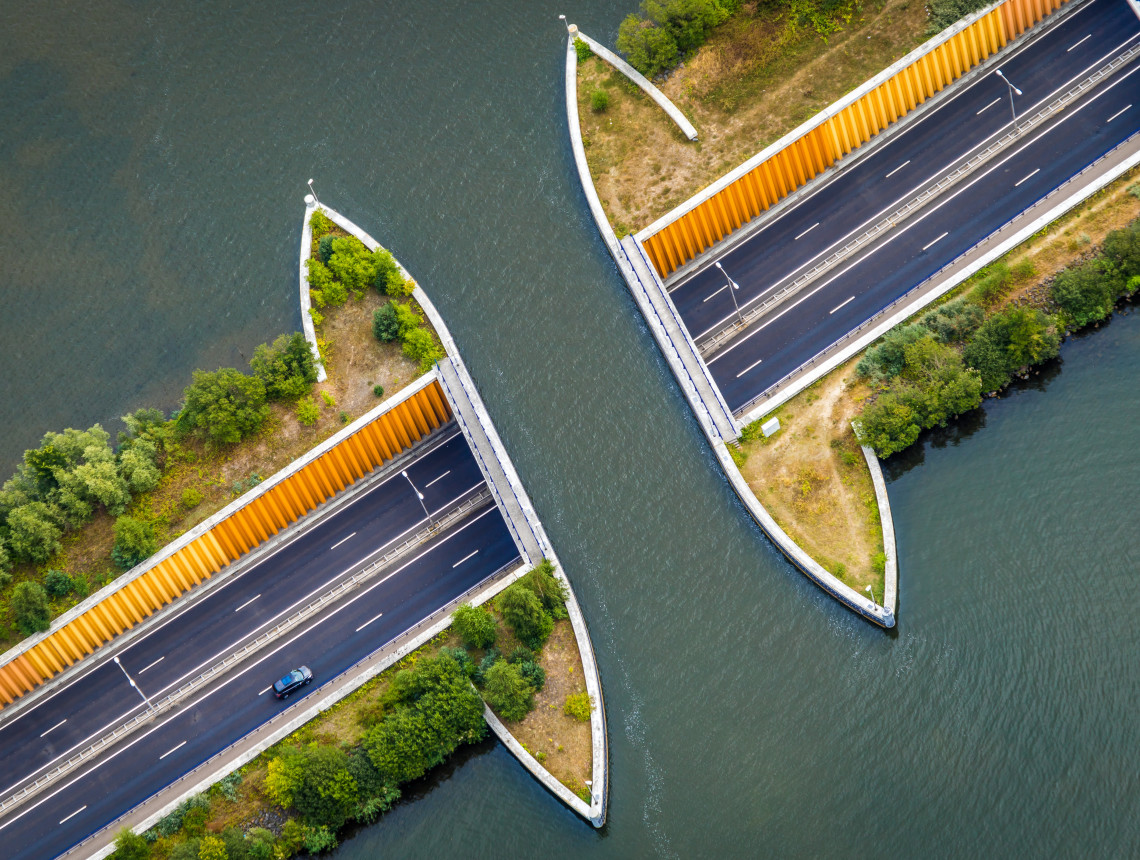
805	232
897	169
79	810
990	105
756	364
837	307
172	750
151	665
342	540
266	690
472	555
247	603
936	241
440	478
1081	42
717	293
369	621
1118	113
53	728
1024	178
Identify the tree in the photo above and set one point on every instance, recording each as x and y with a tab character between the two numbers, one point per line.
138	466
475	625
225	406
386	323
98	480
887	359
134	542
327	794
508	692
547	587
287	368
420	346
286	773
33	532
650	49
1083	293
954	321
352	263
888	425
57	583
525	615
29	605
130	846
5	561
324	248
388	278
688	22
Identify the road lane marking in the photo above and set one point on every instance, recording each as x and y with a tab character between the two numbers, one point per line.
1030	176
837	307
718	292
757	364
27	808
53	728
805	232
266	690
79	810
369	621
990	105
342	540
173	750
936	241
897	169
1081	42
1118	113
440	478
149	665
464	559
247	603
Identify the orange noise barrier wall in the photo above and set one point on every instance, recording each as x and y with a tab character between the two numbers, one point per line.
282	502
705	224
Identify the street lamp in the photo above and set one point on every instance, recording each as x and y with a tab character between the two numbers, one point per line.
419	495
869	589
314	193
131	681
733	287
1012	90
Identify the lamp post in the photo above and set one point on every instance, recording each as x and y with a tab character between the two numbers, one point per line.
131	681
732	288
314	193
419	496
872	593
1012	90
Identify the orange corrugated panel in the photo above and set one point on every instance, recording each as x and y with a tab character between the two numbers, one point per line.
656	257
293	489
741	205
416	412
300	488
42	660
231	537
257	520
135	601
673	243
407	415
266	517
278	504
439	403
312	484
90	630
374	443
118	612
148	582
240	524
76	643
26	672
397	425
356	456
753	192
702	227
194	558
209	550
63	646
322	476
10	688
343	470
169	577
185	570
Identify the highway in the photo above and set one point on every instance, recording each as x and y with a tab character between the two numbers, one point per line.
896	172
179	647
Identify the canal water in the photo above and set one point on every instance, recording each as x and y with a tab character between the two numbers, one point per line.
153	158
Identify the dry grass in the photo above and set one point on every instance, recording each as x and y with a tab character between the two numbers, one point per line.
753	81
813	479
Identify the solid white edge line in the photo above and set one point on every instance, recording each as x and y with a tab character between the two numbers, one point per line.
53	728
901	166
947	233
990	105
342	540
805	232
247	603
1118	113
79	810
440	478
174	715
173	750
150	665
369	621
837	307
1030	176
1081	42
472	555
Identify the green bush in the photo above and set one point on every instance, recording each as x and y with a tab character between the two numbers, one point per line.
319	840
284	776
421	347
888	425
286	368
352	264
191	497
1008	341
212	848
260	844
321	223
225	406
34	532
320	280
325	249
475	625
489	660
548	588
30	608
954	321
534	674
328	793
991	284
649	49
134	542
138	466
378	390
308	413
599	101
945	13
386	322
525	615
57	584
886	359
1084	293
328	398
508	692
582	50
578	706
388	278
80	586
130	846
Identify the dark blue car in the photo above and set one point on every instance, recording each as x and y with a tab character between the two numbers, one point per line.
295	680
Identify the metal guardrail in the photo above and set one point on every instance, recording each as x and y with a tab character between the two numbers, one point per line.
710	344
774	389
311	608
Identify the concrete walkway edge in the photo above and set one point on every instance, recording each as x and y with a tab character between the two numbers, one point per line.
891	571
306	303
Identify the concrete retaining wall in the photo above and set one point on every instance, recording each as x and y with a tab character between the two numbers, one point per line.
891	572
306	304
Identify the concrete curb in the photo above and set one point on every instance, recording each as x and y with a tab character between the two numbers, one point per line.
891	573
634	75
306	304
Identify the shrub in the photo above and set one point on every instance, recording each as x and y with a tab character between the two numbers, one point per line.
33	532
260	844
649	49
29	606
80	586
308	413
328	793
508	692
879	563
1084	294
285	774
320	280
548	588
325	249
386	323
534	674
1008	341
991	284
888	425
212	848
130	846
138	466
886	359
321	223
944	13
225	406
599	101
489	660
578	706
319	839
286	368
419	346
5	561
134	542
327	397
57	583
191	497
352	264
525	615
378	390
475	625
582	50
388	278
954	321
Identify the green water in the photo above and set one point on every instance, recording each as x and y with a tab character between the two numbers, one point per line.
153	158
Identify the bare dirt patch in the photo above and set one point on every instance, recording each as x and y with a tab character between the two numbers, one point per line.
754	80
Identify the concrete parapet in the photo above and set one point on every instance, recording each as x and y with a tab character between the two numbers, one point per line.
891	570
307	327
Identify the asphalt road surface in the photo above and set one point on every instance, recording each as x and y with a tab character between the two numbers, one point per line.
180	647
